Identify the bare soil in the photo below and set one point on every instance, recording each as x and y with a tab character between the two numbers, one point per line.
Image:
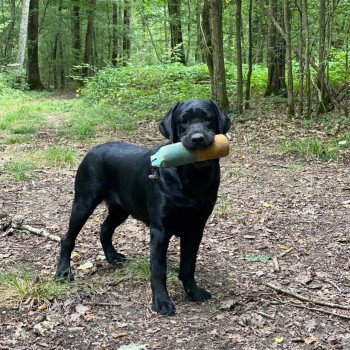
286	207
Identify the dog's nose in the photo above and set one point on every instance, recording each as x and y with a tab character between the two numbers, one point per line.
197	138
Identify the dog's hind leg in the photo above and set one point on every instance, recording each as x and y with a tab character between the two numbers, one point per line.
116	216
81	210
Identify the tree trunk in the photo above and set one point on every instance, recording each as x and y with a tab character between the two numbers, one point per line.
250	54
290	100
300	60
307	59
322	103
126	32
276	84
239	56
219	78
89	38
23	34
10	33
76	42
115	34
177	47
34	80
199	42
208	49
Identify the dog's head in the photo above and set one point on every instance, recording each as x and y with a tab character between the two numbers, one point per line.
195	123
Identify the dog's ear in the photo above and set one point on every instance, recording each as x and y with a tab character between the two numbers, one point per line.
224	122
167	127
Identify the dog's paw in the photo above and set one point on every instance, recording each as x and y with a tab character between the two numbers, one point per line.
164	307
115	258
66	275
198	294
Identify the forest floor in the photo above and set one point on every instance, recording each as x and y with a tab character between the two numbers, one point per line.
281	219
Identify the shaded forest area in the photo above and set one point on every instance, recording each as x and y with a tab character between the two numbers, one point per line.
299	48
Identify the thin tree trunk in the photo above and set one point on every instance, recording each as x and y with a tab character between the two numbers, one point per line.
219	78
177	46
250	54
199	42
126	33
10	33
89	38
300	59
208	49
60	47
290	100
115	34
76	40
307	59
321	107
34	80
23	34
239	56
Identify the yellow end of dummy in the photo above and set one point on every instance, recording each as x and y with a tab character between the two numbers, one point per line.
218	149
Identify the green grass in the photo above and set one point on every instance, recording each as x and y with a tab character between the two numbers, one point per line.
294	167
223	206
19	170
330	149
139	269
57	156
15	139
23	285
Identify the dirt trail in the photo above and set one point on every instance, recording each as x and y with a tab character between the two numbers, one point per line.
287	207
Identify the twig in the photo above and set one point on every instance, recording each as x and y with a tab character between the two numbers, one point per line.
40	232
102	304
286	252
320	310
276	266
304	298
265	315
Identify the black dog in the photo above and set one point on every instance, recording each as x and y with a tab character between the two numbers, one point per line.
178	202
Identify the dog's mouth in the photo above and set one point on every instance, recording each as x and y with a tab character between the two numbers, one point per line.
197	141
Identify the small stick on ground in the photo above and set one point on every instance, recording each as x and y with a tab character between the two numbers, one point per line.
286	252
276	266
40	232
304	298
320	310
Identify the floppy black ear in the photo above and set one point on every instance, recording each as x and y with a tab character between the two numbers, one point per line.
224	122
167	127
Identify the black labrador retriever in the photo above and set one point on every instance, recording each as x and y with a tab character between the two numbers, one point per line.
178	202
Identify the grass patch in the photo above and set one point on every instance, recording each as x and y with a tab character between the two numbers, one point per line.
24	285
87	118
14	139
332	148
139	269
18	171
223	206
22	130
294	167
57	156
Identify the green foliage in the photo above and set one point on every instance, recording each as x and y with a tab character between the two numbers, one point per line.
18	170
325	150
11	79
24	284
57	156
87	117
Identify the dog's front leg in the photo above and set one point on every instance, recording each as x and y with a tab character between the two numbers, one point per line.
160	298
189	244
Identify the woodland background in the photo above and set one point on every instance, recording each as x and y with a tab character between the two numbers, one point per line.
295	49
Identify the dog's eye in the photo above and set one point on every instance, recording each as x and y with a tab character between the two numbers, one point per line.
207	119
184	121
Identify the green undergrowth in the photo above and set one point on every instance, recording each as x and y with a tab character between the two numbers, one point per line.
25	285
322	149
18	170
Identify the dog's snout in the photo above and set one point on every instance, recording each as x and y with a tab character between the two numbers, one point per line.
197	138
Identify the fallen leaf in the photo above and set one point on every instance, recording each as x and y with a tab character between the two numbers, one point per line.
81	309
267	205
312	340
42	307
119	335
75	255
86	266
133	347
283	247
256	258
100	257
279	340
